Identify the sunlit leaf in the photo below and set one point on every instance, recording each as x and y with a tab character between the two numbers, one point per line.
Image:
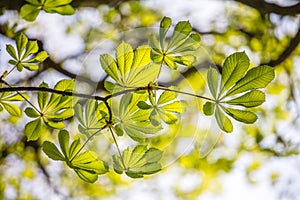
138	162
235	66
251	99
247	117
33	129
52	152
213	81
208	108
223	121
258	77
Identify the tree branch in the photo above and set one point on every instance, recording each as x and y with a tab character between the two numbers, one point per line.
265	8
287	52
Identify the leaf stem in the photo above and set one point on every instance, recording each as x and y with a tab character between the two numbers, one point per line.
31	104
85	143
185	93
119	151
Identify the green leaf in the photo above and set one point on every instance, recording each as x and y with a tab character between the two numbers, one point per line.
165	24
11	50
33	129
53	124
21	42
223	121
166	97
213	81
138	162
235	66
87	176
182	29
31	48
247	117
133	68
12	109
143	105
208	108
251	99
191	43
29	12
56	3
52	152
43	97
63	10
258	77
63	138
109	66
124	56
30	112
34	2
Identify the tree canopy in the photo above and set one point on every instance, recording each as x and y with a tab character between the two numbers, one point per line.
118	97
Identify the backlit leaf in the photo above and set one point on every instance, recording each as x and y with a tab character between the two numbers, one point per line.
251	99
247	117
258	77
52	152
223	121
235	66
213	81
33	129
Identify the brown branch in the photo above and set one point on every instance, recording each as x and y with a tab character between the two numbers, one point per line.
294	42
265	8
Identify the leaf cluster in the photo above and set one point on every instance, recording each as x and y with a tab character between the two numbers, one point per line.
31	10
238	87
26	54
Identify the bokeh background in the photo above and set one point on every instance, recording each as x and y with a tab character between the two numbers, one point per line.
259	161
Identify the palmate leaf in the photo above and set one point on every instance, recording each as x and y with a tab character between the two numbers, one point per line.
26	55
139	162
91	118
235	66
133	121
238	88
167	108
179	49
6	99
31	10
85	164
258	77
131	68
53	109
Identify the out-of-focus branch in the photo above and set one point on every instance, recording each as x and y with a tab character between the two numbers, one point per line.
287	52
265	8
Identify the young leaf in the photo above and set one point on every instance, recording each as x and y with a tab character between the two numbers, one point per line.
235	66
25	56
223	121
85	164
138	162
52	152
213	81
258	77
124	56
251	99
208	108
29	12
242	115
180	48
33	129
165	24
131	68
133	121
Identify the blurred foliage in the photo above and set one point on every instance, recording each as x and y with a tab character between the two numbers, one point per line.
274	136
